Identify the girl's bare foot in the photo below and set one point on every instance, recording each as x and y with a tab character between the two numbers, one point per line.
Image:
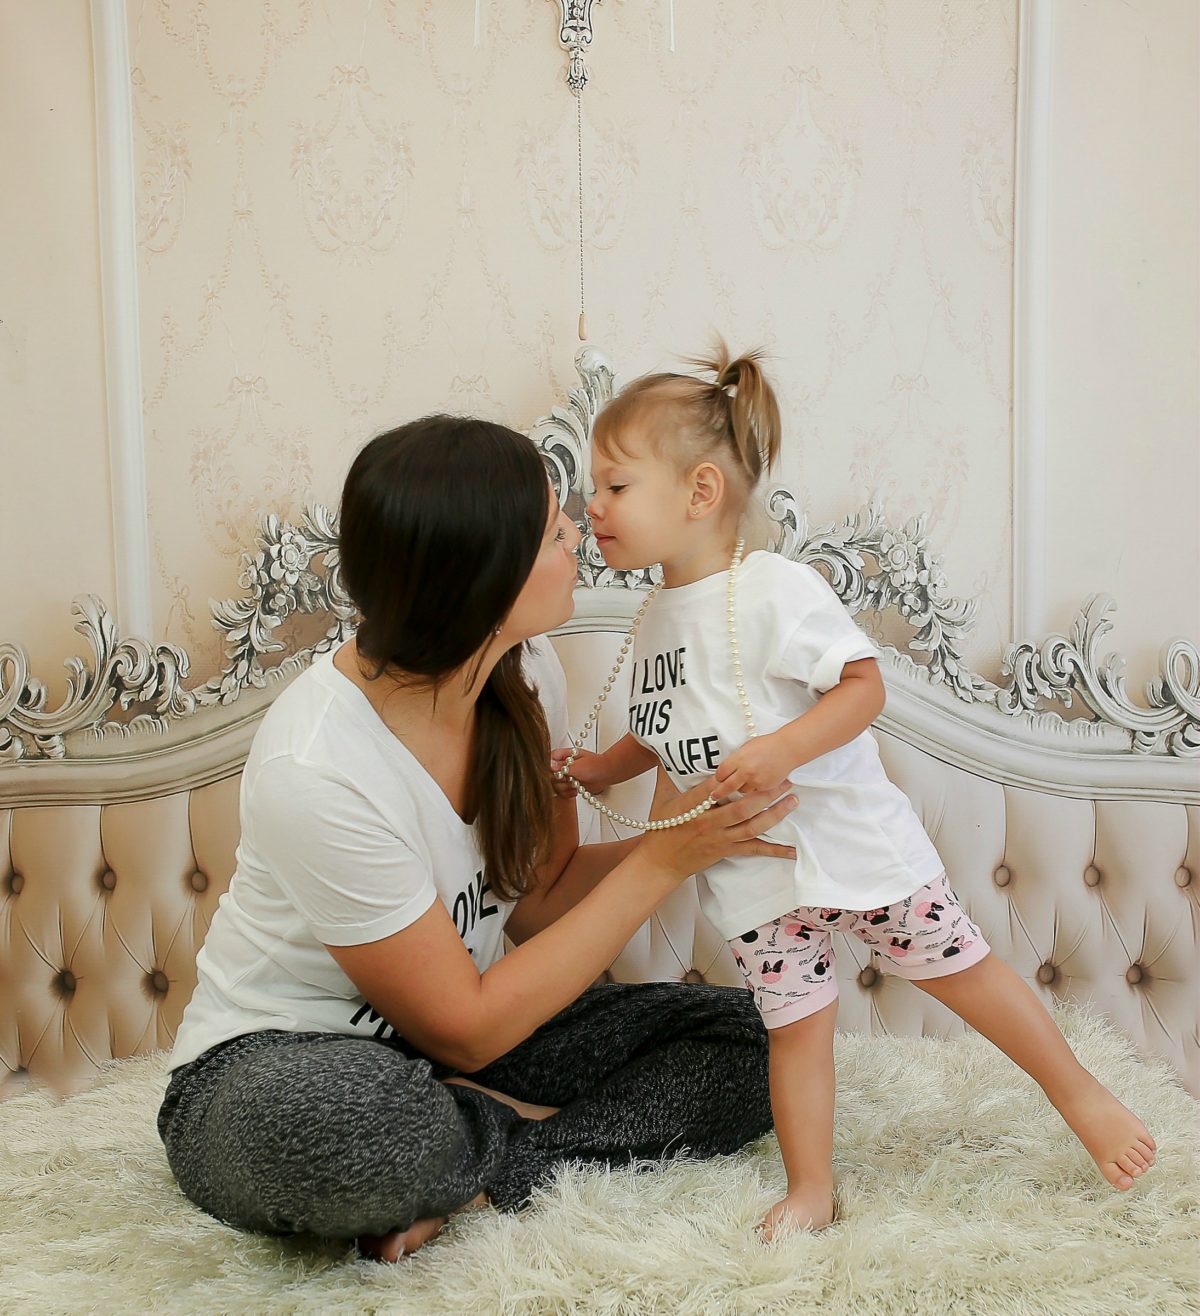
403	1242
1114	1137
803	1208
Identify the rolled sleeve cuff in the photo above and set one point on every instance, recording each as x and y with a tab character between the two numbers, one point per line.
395	920
828	670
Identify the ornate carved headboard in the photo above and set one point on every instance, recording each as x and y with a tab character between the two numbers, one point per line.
1076	843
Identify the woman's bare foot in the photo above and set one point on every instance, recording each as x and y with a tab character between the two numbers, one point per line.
803	1208
526	1109
1114	1137
403	1242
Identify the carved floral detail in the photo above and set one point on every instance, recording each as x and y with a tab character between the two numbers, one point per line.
123	672
279	579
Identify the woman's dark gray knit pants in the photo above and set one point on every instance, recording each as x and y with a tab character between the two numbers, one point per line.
340	1136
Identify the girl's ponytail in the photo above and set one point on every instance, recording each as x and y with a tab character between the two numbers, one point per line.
744	395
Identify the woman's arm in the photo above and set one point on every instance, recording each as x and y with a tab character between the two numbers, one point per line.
587	866
422	980
573	869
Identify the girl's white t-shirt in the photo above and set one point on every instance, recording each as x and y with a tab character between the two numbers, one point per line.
859	845
345	839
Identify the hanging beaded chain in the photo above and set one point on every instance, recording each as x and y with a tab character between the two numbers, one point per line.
564	773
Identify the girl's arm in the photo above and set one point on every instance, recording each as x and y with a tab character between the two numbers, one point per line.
422	980
621	761
844	711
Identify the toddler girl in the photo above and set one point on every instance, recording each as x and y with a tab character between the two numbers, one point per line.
752	673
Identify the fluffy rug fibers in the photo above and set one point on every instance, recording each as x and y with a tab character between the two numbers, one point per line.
960	1191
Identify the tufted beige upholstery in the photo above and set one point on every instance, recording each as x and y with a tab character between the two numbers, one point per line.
102	911
103	906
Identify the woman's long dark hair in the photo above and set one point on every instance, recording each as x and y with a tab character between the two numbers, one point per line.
441	521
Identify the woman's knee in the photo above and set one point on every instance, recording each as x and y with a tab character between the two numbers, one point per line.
726	1014
334	1137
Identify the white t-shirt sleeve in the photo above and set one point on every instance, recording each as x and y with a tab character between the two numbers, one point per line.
819	637
545	671
349	876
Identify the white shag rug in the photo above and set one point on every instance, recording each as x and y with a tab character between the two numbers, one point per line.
961	1192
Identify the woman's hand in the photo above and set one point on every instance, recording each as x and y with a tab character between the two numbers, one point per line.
590	770
726	831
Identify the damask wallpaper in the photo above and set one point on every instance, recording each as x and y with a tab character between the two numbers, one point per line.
352	214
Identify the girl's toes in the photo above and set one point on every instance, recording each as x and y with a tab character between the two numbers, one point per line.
1148	1149
1120	1178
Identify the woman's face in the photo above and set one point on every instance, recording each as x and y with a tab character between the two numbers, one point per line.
547	598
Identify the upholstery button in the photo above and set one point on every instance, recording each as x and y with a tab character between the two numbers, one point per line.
693	975
1091	875
1183	877
199	881
159	982
1134	974
867	976
1046	974
108	879
15	883
65	982
1002	876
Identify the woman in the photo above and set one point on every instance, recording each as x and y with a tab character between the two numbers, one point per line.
397	820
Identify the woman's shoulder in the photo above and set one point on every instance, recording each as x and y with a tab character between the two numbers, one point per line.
309	705
320	732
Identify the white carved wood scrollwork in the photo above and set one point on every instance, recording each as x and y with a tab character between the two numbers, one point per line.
872	565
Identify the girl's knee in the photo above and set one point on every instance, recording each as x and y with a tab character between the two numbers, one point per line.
805	1028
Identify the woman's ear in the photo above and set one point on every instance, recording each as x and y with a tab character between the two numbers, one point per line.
706	488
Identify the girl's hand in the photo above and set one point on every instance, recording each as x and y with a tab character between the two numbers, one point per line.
589	769
757	765
725	831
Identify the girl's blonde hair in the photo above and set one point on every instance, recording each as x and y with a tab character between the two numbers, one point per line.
732	417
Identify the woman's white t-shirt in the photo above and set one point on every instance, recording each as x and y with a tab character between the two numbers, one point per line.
859	845
345	839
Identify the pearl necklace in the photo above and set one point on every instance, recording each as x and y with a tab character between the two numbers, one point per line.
564	773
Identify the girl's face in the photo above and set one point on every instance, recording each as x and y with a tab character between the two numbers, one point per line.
547	598
639	511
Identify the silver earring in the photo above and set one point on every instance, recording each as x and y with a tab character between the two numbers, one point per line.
498	629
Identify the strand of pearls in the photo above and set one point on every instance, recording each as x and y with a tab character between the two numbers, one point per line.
564	773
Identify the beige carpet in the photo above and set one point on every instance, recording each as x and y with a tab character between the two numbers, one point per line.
962	1193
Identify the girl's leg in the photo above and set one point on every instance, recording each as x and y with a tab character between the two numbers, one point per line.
802	1097
338	1136
640	1070
788	966
997	1003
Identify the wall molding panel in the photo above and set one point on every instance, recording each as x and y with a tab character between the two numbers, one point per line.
119	300
1031	314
